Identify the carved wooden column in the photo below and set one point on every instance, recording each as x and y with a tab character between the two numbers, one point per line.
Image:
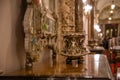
92	20
66	19
78	15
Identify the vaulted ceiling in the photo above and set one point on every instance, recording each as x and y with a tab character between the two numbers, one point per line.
103	9
101	4
105	13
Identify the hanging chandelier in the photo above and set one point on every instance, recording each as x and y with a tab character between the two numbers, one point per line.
113	5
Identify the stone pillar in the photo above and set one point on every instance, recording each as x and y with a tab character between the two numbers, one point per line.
78	15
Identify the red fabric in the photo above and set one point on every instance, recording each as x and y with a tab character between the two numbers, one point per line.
112	68
111	57
106	53
118	64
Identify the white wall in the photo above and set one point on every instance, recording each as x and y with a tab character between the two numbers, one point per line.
12	54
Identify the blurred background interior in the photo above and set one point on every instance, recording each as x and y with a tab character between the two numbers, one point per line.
59	31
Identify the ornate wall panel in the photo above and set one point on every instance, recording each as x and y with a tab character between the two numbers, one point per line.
40	31
67	15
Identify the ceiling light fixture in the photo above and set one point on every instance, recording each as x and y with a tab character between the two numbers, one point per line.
112	5
84	1
109	18
111	11
87	8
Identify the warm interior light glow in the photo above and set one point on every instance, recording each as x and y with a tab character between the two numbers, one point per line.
40	2
113	6
87	8
109	18
97	28
111	11
97	57
100	34
84	1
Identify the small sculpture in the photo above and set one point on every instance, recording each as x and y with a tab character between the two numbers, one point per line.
73	46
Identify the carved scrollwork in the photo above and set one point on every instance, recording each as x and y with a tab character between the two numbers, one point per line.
39	28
